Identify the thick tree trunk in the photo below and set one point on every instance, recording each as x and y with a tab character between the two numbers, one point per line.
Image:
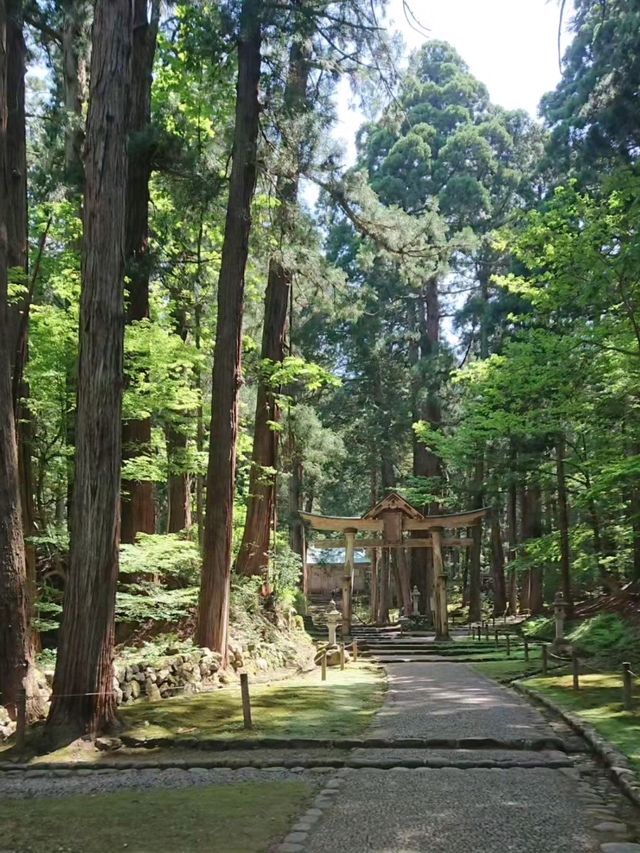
15	639
532	529
426	408
475	557
512	525
83	699
137	508
178	484
563	525
253	555
74	66
497	566
213	609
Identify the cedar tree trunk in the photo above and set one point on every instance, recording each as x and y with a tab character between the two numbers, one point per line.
213	607
83	700
137	508
15	637
253	557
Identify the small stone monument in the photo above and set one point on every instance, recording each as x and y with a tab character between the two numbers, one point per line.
334	617
559	612
415	601
560	643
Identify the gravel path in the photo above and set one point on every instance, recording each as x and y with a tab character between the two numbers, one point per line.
453	811
517	807
452	700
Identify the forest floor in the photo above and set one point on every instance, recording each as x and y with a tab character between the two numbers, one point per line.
452	763
300	706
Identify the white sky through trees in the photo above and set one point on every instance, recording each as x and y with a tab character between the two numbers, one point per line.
510	45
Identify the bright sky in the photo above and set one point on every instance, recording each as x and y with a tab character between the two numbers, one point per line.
510	45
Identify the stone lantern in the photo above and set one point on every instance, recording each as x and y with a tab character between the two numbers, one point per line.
415	601
559	613
334	617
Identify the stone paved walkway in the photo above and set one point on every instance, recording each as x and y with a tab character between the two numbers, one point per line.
524	809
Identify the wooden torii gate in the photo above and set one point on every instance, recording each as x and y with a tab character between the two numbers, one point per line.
392	517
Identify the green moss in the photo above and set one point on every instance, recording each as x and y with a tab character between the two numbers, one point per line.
507	668
298	707
598	703
609	636
219	819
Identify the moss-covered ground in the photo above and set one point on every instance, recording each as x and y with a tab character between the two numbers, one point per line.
599	703
220	819
341	706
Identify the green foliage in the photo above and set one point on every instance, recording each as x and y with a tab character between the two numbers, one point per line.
608	636
170	558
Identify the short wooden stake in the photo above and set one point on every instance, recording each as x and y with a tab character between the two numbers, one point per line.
341	655
355	649
575	666
627	687
526	649
493	621
323	666
246	700
545	659
21	718
486	630
496	638
508	645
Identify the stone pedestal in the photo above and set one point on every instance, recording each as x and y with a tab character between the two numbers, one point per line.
333	620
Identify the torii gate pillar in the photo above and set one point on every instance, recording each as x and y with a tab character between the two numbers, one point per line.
347	581
440	579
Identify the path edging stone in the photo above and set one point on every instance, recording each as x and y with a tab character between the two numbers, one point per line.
616	763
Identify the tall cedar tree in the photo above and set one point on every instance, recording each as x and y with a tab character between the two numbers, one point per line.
83	700
253	555
213	610
138	513
14	599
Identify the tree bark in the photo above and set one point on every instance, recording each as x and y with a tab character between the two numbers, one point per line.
426	463
178	484
512	525
213	608
253	556
475	557
83	699
15	639
563	525
497	565
137	507
532	529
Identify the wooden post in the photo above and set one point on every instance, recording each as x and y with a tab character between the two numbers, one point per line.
575	666
627	687
508	645
526	649
323	667
442	609
246	700
373	603
496	638
493	621
486	630
347	586
355	649
341	655
545	659
21	719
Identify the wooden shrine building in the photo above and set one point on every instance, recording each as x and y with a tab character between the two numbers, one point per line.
394	524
